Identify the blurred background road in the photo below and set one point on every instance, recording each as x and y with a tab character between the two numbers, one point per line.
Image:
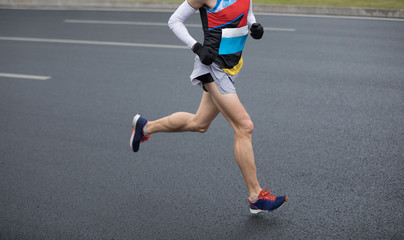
325	95
362	8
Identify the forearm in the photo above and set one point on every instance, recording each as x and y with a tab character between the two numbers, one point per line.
250	17
257	31
176	23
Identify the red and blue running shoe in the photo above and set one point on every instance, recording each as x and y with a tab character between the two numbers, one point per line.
138	135
266	202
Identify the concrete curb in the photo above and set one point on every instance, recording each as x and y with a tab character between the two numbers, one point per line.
122	5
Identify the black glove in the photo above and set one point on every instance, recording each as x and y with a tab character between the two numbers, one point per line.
206	54
257	31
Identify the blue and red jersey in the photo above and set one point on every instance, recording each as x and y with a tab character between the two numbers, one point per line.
225	30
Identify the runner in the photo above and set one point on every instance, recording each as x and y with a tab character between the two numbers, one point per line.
218	61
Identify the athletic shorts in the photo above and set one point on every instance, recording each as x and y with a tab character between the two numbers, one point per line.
223	80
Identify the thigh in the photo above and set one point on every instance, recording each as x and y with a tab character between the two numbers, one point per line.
207	110
229	105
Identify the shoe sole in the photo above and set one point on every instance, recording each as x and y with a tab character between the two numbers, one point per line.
134	121
256	211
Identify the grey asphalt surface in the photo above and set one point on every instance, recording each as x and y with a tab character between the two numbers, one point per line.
327	101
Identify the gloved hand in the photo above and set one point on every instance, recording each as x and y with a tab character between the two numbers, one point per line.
206	54
257	31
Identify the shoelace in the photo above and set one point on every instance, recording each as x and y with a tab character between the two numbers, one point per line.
145	138
264	194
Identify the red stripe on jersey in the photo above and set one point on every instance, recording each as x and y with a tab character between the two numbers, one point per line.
229	14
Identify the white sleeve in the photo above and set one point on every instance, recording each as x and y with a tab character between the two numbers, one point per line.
176	23
250	17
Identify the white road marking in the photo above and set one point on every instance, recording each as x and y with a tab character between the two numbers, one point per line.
24	76
329	16
123	44
154	24
124	23
280	29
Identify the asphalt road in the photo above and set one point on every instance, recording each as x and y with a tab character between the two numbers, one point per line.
326	96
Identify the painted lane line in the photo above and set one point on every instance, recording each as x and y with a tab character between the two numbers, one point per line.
70	41
24	76
154	24
124	23
280	29
329	16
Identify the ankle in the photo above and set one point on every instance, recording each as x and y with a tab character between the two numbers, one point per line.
254	194
146	129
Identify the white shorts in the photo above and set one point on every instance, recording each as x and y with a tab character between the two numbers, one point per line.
223	80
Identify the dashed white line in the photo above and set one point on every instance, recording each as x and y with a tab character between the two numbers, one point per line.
24	76
123	44
280	29
160	24
330	16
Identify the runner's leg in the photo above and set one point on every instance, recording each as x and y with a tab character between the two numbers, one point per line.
235	113
183	121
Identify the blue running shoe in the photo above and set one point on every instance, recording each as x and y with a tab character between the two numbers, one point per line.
138	136
266	202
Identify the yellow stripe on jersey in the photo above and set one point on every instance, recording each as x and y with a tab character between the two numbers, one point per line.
236	69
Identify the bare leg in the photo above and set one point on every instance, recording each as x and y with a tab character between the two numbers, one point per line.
182	121
230	106
235	113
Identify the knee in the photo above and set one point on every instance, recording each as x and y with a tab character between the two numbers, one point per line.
246	127
197	126
201	128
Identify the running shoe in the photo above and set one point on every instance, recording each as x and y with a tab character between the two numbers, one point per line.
138	136
266	202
